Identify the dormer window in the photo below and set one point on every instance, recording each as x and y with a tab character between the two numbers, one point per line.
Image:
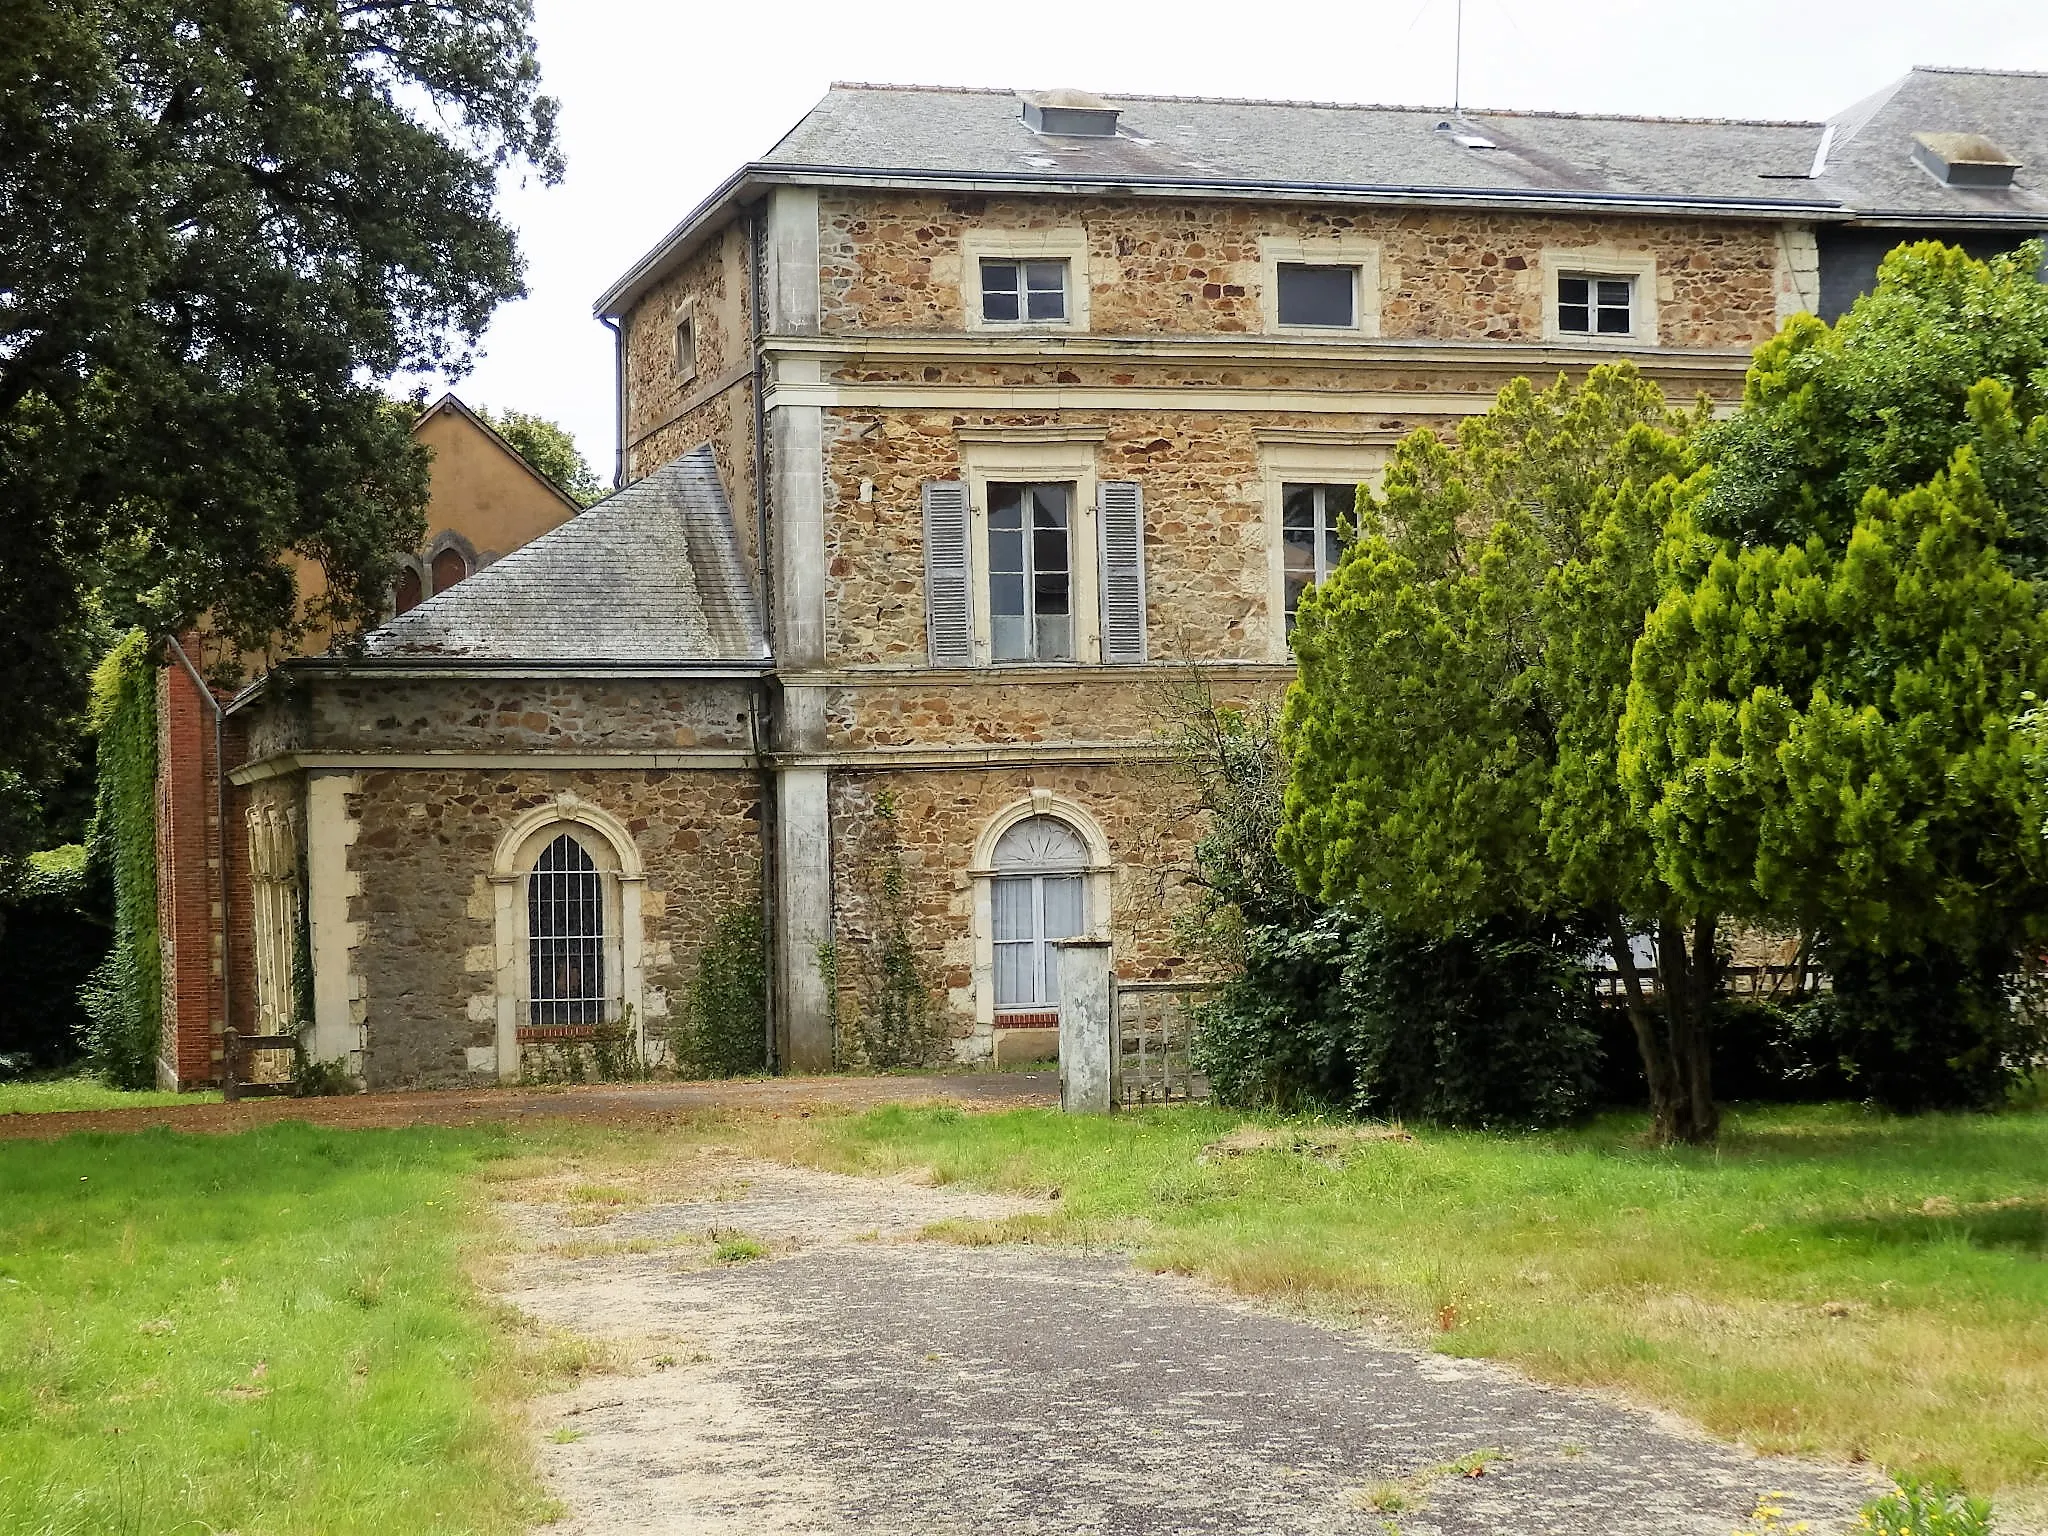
1023	292
1588	305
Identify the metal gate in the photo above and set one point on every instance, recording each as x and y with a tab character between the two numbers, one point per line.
1154	1025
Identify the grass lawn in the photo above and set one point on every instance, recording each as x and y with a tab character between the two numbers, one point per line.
1825	1281
48	1095
269	1332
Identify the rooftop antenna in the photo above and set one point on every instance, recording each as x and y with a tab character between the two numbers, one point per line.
1458	62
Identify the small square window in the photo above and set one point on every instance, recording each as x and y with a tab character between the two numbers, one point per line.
1319	296
1023	292
1596	306
686	348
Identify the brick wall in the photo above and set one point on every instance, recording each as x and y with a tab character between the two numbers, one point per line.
188	881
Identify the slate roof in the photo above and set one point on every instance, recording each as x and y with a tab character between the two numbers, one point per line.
1870	152
651	575
913	135
1309	144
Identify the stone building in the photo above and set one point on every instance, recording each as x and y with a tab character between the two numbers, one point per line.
950	432
483	500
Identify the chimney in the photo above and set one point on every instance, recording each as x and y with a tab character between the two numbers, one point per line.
1963	160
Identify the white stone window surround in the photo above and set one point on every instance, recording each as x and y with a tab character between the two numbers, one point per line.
611	847
1036	455
1099	876
1308	456
1331	250
1068	243
1598	261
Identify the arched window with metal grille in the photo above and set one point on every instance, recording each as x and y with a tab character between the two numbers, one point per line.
565	937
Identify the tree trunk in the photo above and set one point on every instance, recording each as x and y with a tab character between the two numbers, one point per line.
1673	1039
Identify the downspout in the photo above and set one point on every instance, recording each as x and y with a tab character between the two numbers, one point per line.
618	400
220	812
763	690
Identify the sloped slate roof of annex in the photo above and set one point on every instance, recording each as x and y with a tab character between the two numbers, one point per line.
652	575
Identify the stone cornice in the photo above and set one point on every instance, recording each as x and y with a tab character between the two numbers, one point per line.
1506	357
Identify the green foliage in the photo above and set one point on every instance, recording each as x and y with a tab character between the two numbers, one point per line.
123	999
610	1054
893	1020
224	234
1490	1025
1935	1506
1822	736
1881	400
1451	734
549	448
724	1028
53	932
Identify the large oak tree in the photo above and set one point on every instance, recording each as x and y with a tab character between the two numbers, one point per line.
224	226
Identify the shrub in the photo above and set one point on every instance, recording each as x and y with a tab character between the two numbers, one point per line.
53	932
724	1028
1491	1025
1936	1030
876	972
1934	1507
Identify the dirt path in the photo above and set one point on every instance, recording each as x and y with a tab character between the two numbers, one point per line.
610	1103
853	1379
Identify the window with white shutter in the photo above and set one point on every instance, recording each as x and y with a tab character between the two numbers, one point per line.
1120	517
948	575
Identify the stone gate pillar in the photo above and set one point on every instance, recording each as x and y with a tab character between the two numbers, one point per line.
1087	1032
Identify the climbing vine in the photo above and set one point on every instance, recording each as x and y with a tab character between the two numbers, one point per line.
723	1031
123	998
890	1019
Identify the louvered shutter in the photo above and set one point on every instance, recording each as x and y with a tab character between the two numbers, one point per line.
948	575
1120	517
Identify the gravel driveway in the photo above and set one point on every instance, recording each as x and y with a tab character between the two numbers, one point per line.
857	1380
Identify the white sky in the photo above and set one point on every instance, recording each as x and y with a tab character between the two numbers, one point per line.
660	101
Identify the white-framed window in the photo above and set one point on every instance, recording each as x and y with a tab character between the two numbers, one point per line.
1601	294
1591	305
684	361
1031	572
1321	297
1024	279
1023	292
1038	896
1310	547
1320	284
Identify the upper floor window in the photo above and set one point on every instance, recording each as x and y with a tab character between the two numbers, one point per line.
405	593
1023	292
1595	306
1309	516
1321	296
686	348
448	568
1030	572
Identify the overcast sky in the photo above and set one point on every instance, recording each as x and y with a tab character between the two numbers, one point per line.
660	101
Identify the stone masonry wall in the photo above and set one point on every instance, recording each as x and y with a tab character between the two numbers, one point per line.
1039	706
891	261
939	815
423	857
1206	555
667	416
369	713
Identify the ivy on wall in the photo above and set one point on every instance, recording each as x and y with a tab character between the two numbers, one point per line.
123	998
891	1018
723	1031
